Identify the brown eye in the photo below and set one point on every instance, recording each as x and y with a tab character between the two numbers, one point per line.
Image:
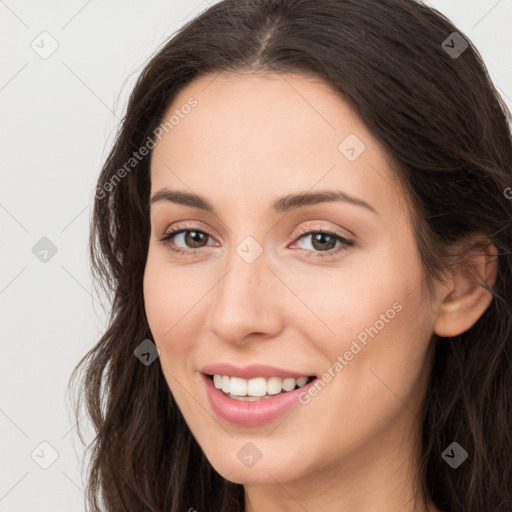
323	241
195	239
320	242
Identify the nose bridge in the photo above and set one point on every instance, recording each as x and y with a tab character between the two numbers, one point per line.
243	299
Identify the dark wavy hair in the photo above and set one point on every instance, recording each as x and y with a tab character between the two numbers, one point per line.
446	130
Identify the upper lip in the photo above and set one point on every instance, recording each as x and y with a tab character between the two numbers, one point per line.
251	371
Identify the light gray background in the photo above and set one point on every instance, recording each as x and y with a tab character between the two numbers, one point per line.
58	118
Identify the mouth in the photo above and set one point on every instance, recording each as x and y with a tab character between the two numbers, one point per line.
258	388
256	401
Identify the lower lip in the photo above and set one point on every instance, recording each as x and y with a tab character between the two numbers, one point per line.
251	414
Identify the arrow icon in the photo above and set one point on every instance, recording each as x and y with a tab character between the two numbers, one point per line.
454	45
44	250
45	45
249	252
249	455
44	455
454	455
147	352
351	147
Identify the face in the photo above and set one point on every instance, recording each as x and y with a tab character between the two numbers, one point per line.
278	288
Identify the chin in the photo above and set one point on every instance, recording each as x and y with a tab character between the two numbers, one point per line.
261	472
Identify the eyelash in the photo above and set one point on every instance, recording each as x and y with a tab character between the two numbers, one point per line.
346	243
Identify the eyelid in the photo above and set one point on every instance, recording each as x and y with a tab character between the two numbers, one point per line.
319	228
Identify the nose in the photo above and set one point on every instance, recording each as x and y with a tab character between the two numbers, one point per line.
245	302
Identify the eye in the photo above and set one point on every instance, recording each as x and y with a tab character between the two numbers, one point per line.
195	239
323	242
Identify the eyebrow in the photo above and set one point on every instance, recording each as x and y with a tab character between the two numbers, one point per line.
280	205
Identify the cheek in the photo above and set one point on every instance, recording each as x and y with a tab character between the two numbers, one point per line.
337	306
378	356
175	302
370	311
158	297
166	307
168	303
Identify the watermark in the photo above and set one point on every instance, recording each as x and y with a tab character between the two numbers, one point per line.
454	45
44	249
343	360
44	454
249	454
454	455
45	45
351	147
147	352
508	192
144	150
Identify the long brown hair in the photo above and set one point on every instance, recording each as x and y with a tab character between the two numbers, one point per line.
429	101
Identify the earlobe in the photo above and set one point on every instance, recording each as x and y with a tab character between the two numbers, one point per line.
465	298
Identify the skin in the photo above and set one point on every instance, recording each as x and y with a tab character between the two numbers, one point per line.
250	139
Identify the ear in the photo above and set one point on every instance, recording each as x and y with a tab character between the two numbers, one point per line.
464	299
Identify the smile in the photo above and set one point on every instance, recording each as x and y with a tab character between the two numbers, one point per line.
258	388
256	401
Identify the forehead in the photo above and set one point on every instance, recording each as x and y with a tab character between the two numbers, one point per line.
269	134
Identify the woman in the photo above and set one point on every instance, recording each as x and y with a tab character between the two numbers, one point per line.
305	225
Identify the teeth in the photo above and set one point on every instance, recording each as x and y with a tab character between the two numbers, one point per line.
257	387
226	384
238	386
274	386
301	381
288	384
